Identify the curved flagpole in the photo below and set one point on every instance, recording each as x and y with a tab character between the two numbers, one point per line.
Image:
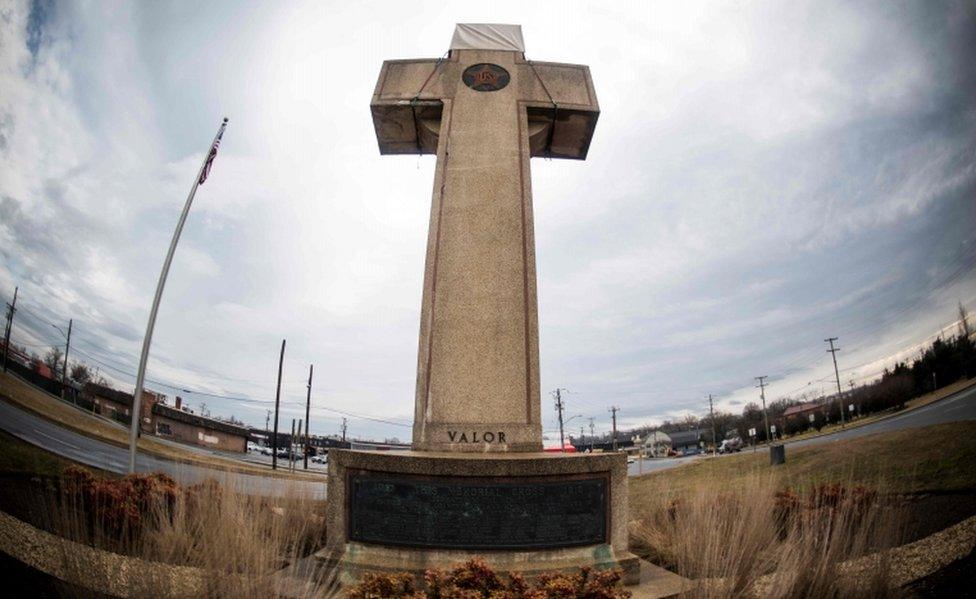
136	415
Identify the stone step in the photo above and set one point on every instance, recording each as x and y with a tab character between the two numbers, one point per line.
658	583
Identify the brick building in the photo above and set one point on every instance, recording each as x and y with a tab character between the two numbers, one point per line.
168	422
180	425
110	402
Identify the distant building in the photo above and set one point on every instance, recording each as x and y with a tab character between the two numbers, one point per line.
179	425
803	408
657	444
109	402
686	441
174	423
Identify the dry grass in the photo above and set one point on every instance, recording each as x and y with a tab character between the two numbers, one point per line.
932	458
225	544
759	540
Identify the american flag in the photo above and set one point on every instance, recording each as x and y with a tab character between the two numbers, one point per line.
213	154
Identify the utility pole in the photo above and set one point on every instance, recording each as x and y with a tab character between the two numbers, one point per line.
11	308
291	446
343	430
267	420
591	435
298	432
67	348
613	410
833	353
559	412
308	405
711	410
762	394
274	433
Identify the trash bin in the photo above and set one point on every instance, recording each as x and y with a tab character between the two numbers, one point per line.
777	454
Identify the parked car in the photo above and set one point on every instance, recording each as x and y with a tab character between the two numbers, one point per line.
732	445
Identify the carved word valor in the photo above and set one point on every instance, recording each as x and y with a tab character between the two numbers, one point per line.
476	437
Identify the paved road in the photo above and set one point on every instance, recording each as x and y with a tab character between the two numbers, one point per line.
86	450
77	447
956	407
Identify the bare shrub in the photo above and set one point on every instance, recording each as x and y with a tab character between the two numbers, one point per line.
237	545
475	579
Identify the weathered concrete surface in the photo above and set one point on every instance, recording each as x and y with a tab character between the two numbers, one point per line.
658	583
99	571
355	558
478	360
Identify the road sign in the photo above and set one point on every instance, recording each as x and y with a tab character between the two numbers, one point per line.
812	417
752	432
850	408
772	428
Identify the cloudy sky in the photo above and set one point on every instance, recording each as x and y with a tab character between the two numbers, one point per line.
763	176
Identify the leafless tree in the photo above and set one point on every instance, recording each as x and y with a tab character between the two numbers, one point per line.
53	359
964	330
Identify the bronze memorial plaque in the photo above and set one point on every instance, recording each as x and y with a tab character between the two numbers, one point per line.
460	513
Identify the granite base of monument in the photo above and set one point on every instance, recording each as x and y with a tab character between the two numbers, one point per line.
525	512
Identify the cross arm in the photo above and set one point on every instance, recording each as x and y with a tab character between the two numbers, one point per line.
562	108
406	104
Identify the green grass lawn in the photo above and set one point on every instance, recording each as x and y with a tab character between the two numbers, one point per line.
936	458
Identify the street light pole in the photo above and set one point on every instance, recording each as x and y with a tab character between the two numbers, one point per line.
147	340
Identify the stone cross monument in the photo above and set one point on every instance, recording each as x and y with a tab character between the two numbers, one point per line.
476	481
484	110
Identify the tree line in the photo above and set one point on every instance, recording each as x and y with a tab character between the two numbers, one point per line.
943	362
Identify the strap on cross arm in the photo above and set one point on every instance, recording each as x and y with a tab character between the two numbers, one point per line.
416	99
555	111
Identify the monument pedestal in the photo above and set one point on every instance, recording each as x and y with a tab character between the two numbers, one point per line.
525	512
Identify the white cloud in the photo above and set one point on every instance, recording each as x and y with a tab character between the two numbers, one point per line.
761	176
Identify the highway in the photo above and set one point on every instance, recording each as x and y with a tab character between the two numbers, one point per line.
957	407
99	454
105	456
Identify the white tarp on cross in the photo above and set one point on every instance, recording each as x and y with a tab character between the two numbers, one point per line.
487	36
